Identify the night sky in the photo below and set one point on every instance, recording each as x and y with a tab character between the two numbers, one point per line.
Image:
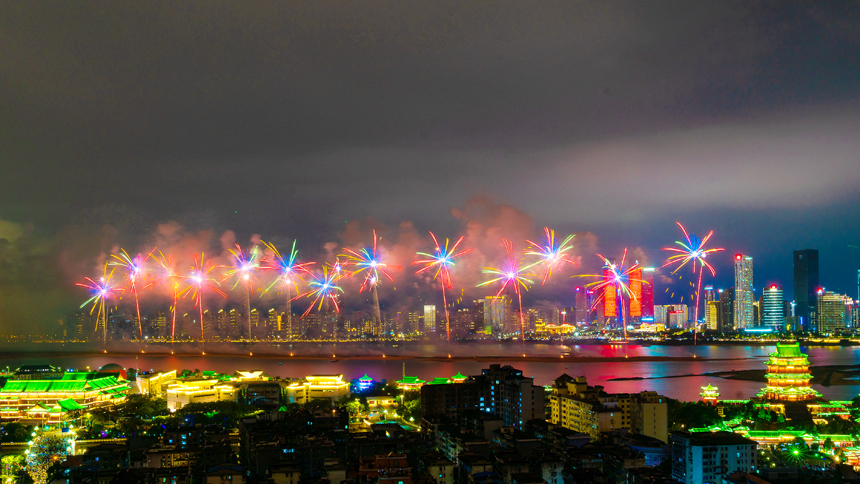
131	125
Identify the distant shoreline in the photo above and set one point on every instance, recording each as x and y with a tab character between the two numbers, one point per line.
336	357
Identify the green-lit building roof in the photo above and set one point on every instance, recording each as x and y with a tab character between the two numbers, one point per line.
365	378
458	376
70	385
411	380
788	350
439	381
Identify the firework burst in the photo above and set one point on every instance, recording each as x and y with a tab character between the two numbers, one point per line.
441	261
100	292
692	250
290	272
171	279
369	261
512	274
246	264
135	269
549	253
322	287
199	279
614	284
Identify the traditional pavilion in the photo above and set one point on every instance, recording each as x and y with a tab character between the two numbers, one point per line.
439	380
458	378
710	394
365	383
788	376
410	383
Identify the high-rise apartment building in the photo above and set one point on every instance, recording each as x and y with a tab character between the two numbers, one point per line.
773	311
498	390
677	315
497	310
727	309
478	320
660	315
744	315
712	315
430	319
833	311
577	406
581	308
805	287
709	456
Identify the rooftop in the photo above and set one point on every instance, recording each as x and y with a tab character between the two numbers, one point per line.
714	438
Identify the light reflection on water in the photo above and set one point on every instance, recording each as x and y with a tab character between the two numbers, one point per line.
714	358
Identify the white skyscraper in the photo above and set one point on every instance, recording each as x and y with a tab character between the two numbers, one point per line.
773	312
744	295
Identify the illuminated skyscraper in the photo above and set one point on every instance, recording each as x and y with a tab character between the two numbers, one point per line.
660	315
727	305
744	296
430	319
712	315
677	315
497	313
610	296
648	292
833	311
710	294
712	311
636	293
773	312
805	286
581	308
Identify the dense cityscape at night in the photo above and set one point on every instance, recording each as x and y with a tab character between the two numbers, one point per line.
430	242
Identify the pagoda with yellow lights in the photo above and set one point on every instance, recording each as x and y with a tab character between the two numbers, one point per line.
788	376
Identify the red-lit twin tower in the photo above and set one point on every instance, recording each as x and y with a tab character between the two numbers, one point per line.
603	309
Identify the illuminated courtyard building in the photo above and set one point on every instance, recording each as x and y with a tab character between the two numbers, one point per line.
49	400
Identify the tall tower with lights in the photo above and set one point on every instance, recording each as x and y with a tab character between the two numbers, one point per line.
744	295
805	288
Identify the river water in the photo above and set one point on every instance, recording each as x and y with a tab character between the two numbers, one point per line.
312	358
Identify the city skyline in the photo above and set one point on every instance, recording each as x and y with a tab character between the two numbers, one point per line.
322	127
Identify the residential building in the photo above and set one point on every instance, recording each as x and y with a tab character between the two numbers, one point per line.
499	390
590	410
649	415
512	396
706	457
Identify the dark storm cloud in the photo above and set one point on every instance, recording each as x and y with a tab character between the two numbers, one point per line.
289	118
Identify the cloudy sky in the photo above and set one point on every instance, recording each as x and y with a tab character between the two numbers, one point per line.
124	124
